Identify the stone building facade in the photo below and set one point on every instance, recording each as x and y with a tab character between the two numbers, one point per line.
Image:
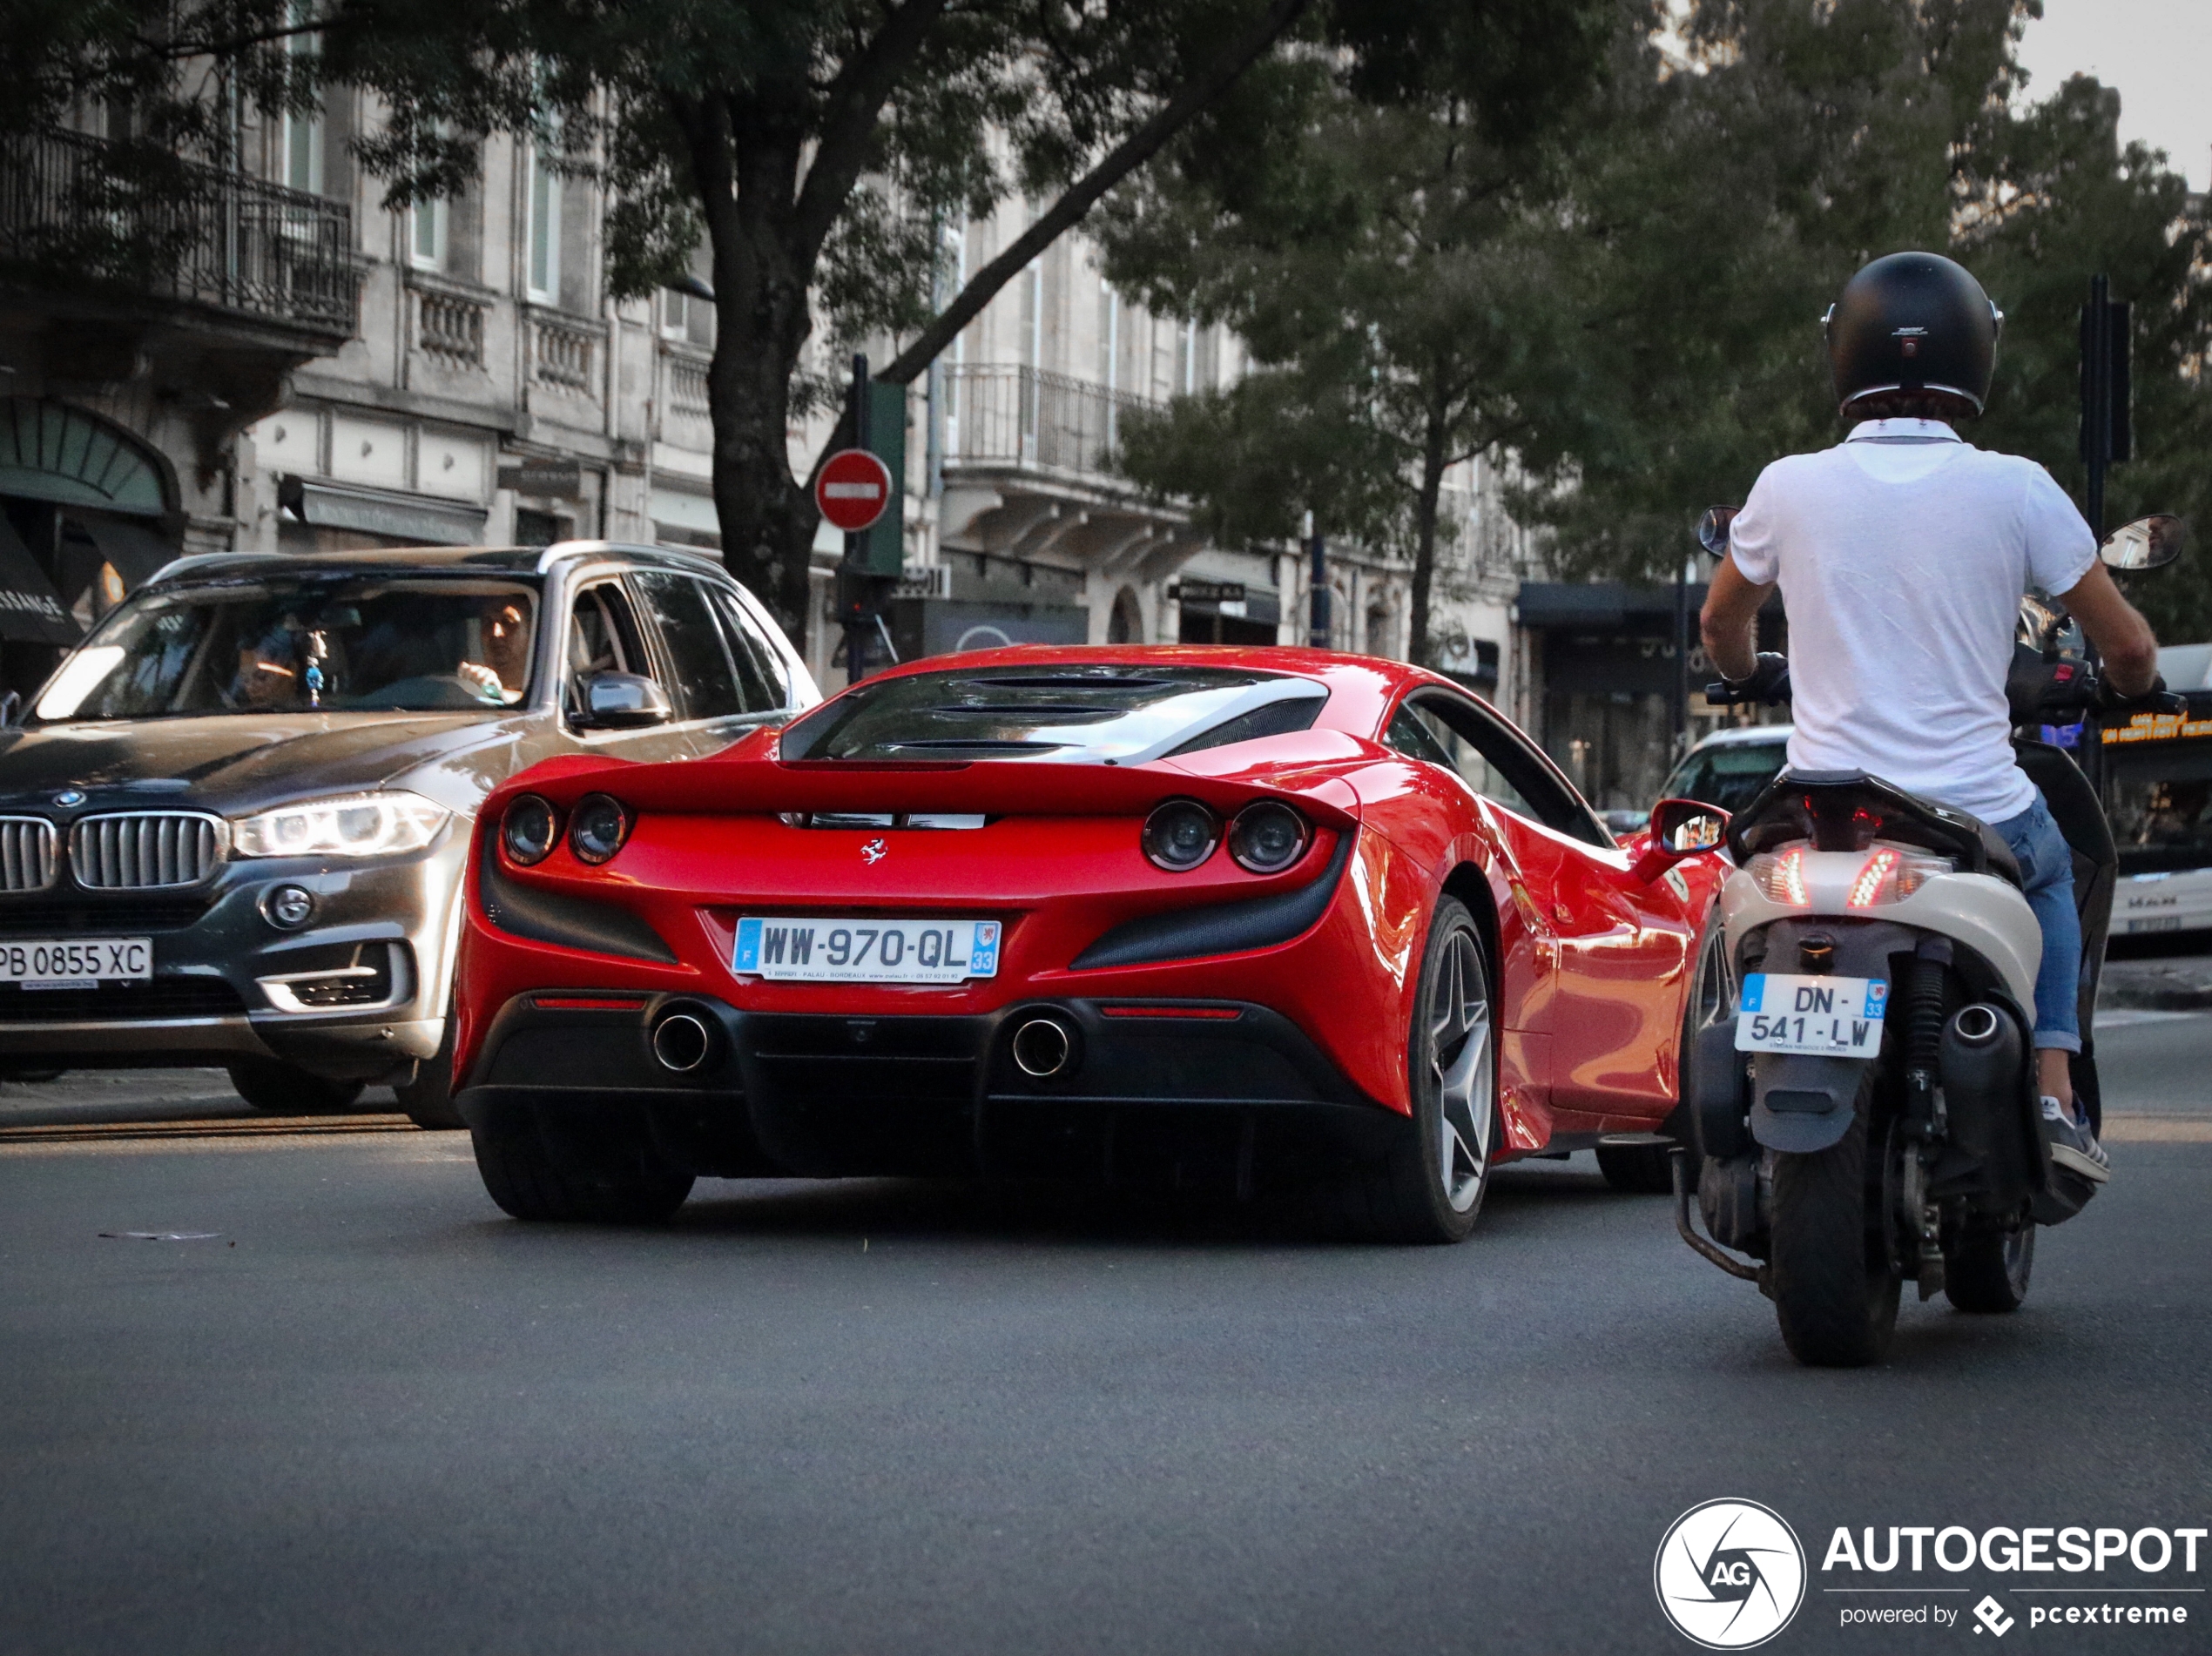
317	373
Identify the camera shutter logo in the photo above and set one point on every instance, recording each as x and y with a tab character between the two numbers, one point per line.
1729	1574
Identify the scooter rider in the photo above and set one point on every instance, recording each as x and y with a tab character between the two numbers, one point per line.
1902	553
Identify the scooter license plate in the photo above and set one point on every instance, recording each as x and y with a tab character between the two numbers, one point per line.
1780	1012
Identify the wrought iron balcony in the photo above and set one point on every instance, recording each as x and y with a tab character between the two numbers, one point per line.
1008	415
78	212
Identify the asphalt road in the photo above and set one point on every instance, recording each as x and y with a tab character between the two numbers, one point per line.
370	1414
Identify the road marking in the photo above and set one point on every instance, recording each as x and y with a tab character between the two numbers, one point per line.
2132	1127
2144	1015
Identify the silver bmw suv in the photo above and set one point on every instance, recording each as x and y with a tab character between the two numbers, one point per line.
232	824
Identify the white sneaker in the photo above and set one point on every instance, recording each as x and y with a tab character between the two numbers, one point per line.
2073	1146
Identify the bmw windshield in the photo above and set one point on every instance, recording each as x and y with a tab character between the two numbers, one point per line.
304	642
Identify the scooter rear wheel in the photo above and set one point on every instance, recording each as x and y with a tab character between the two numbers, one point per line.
1835	1287
1988	1270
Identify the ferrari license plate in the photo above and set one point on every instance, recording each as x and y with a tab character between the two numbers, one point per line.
76	963
819	951
1831	1017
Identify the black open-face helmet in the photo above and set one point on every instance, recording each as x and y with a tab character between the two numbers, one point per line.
1911	322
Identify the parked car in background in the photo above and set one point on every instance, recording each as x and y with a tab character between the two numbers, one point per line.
1730	767
232	824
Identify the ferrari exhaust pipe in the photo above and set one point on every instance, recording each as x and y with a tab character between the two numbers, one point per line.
682	1042
1042	1048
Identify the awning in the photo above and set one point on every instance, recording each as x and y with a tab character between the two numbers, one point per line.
137	551
412	519
30	608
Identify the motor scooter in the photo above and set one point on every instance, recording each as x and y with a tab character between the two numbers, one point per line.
1860	1091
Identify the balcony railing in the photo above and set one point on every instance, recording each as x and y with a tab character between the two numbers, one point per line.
76	209
1031	417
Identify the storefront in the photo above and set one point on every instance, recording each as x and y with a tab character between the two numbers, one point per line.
88	513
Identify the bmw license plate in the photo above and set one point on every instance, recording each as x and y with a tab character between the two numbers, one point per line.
819	951
1780	1012
76	963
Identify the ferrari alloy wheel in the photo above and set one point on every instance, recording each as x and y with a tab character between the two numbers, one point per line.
1461	1066
1429	1187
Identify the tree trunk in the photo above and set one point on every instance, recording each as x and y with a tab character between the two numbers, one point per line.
1425	513
762	320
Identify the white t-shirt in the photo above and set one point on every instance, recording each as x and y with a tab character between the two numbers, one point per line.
1902	553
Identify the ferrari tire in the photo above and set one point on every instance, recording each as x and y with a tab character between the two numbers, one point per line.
1646	1170
1987	1270
427	1098
1834	1288
1428	1187
279	1089
540	1165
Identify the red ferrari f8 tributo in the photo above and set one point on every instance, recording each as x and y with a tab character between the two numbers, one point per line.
1276	921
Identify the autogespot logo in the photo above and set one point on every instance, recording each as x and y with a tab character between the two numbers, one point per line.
1729	1574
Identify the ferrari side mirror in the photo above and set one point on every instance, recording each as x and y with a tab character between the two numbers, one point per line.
1680	828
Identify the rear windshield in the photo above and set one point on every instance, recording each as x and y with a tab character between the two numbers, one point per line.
1125	714
1728	774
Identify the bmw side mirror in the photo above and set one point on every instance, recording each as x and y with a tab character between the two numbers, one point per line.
623	702
1680	828
1712	529
2147	544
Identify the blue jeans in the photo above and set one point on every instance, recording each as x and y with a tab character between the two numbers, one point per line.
2047	866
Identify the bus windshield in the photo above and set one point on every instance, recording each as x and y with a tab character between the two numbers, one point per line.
2158	797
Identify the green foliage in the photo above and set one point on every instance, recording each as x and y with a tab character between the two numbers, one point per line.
1633	300
1385	242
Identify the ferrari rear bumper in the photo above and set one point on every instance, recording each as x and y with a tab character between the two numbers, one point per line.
1054	1087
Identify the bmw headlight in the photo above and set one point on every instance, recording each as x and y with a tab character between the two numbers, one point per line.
355	824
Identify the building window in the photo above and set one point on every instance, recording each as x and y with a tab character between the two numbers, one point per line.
427	232
303	132
543	278
686	317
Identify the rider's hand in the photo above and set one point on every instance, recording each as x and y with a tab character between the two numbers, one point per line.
1767	680
2109	700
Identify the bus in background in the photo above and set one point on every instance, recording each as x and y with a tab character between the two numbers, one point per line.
2158	795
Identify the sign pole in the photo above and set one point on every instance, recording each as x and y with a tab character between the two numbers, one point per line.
856	638
1317	609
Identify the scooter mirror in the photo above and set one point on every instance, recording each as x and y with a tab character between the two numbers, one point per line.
1712	528
2147	544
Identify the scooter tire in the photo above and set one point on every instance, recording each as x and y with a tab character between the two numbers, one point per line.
1987	1271
1835	1291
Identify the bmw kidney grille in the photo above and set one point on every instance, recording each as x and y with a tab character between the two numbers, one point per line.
143	851
26	853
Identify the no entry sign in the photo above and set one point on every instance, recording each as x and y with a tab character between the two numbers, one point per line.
853	489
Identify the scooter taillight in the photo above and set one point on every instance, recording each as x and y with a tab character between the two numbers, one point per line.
1866	889
1783	877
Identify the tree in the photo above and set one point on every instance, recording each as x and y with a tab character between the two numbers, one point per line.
816	147
1389	258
